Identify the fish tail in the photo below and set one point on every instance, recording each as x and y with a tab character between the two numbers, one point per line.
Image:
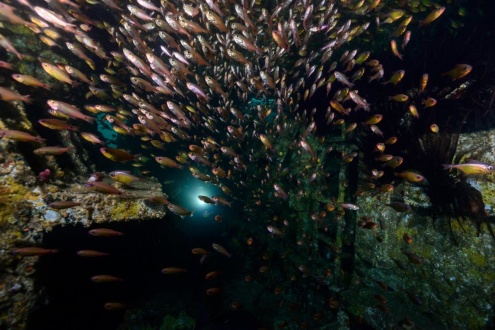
27	99
89	119
447	166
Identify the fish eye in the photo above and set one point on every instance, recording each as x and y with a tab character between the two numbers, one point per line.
490	168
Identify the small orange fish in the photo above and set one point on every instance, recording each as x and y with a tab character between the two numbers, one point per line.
413	111
6	65
236	305
413	258
117	155
393	46
91	138
264	269
114	306
367	224
220	249
173	270
338	107
432	16
165	161
103	187
410	176
396	77
429	102
105	232
63	205
384	158
399	98
179	210
199	251
459	71
212	275
19	136
405	41
374	119
58	124
351	127
106	279
266	141
33	251
387	187
213	291
30	81
6	94
380	298
380	147
407	238
275	231
434	128
394	162
382	285
376	130
391	140
91	253
377	174
423	82
54	151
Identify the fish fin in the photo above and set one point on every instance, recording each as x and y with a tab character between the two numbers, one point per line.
447	166
27	99
89	119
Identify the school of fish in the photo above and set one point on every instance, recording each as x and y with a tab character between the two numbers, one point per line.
181	76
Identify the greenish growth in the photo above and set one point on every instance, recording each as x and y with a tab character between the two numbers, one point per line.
181	322
126	210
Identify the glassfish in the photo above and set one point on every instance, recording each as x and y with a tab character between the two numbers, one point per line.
124	177
105	232
470	168
220	249
33	251
432	16
7	94
173	270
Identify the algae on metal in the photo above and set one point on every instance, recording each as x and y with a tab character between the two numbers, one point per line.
455	284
